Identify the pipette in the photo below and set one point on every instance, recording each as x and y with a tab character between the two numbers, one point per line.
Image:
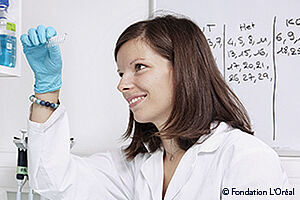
22	174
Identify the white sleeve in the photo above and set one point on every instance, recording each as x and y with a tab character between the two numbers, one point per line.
255	175
57	174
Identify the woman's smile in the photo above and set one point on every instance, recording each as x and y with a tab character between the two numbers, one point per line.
136	100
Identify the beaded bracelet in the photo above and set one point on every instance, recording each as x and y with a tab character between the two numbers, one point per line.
33	99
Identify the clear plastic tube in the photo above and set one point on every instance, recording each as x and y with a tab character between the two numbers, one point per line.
30	194
19	191
56	40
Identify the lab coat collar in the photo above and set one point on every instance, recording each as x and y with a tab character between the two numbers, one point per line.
211	142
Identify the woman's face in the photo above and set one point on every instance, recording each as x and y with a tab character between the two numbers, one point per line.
146	82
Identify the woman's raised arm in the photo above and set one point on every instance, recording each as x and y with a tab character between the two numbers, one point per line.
46	64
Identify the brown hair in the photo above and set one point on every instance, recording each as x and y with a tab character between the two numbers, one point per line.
201	95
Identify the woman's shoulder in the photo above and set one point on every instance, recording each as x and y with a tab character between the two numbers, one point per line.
240	144
249	160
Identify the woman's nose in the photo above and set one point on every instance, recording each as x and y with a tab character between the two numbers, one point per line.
125	83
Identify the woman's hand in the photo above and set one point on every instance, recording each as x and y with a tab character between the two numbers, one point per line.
45	62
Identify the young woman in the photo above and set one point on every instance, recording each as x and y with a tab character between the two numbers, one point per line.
191	137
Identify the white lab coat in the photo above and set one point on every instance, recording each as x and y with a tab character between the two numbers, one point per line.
228	158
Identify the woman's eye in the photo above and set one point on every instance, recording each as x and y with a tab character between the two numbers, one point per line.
139	67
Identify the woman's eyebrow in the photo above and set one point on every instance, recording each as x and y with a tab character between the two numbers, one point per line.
136	60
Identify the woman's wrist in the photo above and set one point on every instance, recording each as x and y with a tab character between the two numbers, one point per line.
49	96
39	113
41	102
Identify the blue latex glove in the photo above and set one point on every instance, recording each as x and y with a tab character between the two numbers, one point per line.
44	61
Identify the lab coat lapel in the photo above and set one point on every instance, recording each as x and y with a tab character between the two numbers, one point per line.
152	171
182	173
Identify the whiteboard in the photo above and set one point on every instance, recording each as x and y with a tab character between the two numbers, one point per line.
256	45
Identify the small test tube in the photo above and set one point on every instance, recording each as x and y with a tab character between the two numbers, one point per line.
56	40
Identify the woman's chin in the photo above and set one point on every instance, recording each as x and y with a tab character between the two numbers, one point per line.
141	119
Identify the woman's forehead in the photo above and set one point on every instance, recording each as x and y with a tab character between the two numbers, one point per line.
135	49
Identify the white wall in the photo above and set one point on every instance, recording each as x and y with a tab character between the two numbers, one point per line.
292	168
